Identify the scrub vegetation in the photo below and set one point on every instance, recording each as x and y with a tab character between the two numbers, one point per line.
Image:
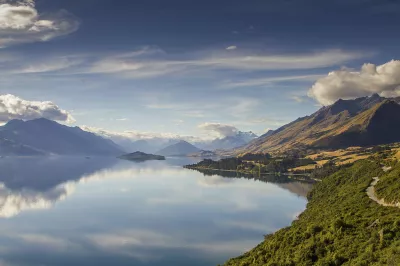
341	225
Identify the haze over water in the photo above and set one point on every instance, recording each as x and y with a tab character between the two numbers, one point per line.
103	211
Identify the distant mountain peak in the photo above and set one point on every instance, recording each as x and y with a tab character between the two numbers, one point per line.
182	148
375	96
14	122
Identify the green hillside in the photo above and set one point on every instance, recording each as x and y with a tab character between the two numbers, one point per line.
341	226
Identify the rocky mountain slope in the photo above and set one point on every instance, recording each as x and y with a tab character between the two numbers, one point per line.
360	122
42	136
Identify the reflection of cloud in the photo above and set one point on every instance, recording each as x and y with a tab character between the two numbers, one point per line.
13	202
124	241
215	180
153	233
129	238
246	225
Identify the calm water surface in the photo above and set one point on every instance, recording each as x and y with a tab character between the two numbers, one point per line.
102	211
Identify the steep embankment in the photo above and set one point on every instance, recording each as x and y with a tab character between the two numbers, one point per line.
341	226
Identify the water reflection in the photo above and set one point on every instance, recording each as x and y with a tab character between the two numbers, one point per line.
37	183
101	211
299	185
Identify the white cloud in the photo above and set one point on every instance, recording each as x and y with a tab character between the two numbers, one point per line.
297	98
220	129
13	107
266	120
134	65
47	65
233	47
259	82
346	84
20	22
134	135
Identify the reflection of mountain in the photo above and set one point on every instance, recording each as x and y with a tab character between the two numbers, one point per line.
37	183
300	188
297	187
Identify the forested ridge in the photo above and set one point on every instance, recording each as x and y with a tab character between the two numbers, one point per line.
341	226
254	163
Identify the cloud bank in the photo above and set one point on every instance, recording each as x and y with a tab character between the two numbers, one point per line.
220	129
133	135
13	107
20	22
347	84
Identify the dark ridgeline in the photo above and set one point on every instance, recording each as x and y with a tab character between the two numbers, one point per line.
43	136
360	122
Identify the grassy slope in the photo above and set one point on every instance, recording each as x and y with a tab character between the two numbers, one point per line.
305	132
388	187
335	228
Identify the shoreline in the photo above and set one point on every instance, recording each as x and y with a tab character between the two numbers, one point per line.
288	174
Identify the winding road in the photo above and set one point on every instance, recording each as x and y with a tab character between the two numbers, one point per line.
372	193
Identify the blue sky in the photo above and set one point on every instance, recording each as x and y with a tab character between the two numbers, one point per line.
160	66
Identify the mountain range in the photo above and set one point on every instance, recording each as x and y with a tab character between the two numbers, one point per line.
181	148
363	121
360	122
230	142
43	136
152	144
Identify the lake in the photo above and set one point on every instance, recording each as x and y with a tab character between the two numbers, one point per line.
104	211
